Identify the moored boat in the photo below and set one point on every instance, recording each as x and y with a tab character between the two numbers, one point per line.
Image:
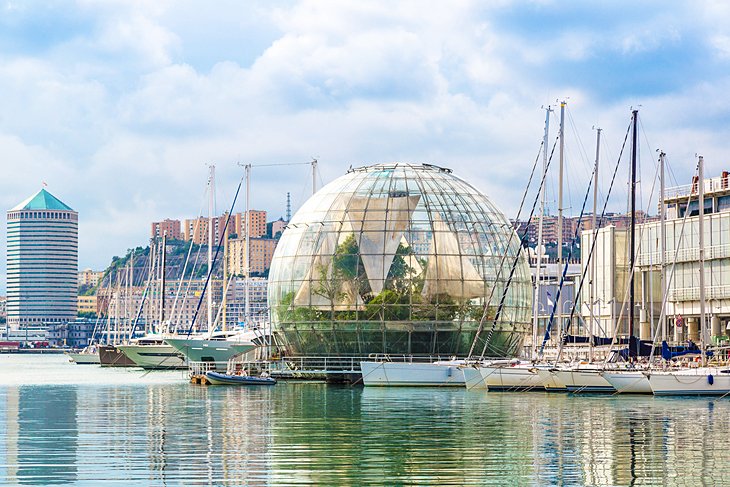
583	379
628	381
84	357
153	353
219	378
111	356
695	381
440	373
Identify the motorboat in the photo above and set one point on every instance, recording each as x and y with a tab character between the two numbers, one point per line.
219	347
219	378
151	352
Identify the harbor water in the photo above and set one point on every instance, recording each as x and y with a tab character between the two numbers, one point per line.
67	424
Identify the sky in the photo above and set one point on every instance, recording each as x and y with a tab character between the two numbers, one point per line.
119	106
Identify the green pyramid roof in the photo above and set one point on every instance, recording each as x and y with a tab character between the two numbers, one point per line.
42	200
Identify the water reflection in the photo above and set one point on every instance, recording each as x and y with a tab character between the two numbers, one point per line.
40	435
171	434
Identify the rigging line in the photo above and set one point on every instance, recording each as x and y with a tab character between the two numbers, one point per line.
187	257
217	251
283	164
565	268
679	243
506	248
630	276
590	255
498	313
665	294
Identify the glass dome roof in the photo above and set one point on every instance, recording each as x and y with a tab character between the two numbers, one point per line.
401	259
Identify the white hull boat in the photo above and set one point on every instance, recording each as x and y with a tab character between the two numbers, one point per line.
210	350
583	380
699	381
443	373
159	356
515	377
628	381
84	358
473	378
550	380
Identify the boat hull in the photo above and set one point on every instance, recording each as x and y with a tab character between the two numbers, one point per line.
473	378
578	381
111	356
628	382
411	374
216	351
84	358
550	380
506	378
690	383
162	357
217	378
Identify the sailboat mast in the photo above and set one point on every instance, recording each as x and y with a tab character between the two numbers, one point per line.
538	246
163	261
225	277
632	229
247	311
559	301
662	241
211	202
593	231
701	190
314	176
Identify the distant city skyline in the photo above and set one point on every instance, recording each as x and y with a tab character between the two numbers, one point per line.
119	106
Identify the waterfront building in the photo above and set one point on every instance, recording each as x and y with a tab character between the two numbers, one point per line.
612	271
89	278
42	262
86	304
276	228
683	306
236	303
166	227
262	252
346	278
196	229
75	334
610	263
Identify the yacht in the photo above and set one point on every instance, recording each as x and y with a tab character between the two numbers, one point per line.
219	347
151	352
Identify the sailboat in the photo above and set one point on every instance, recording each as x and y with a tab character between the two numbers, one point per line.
593	377
517	375
109	354
218	347
703	380
151	351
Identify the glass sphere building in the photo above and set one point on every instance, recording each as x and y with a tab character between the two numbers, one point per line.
399	259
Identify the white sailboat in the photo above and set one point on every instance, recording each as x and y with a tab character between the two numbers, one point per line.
151	351
703	380
439	373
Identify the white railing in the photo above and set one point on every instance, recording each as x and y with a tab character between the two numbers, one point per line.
714	184
684	255
693	293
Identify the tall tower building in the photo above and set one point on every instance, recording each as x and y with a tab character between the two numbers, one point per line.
43	261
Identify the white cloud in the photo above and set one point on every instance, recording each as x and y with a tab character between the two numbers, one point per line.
122	119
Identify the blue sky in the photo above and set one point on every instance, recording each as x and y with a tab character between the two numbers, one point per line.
119	105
